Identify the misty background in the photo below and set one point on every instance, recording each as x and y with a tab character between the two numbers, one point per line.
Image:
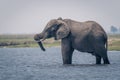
31	16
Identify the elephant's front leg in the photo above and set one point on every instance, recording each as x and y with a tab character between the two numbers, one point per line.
67	52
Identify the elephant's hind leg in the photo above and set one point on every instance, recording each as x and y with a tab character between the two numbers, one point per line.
105	59
105	56
98	59
102	52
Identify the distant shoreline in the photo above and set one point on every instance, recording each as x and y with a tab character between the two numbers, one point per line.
26	40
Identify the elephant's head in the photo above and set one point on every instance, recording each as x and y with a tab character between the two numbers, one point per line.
56	28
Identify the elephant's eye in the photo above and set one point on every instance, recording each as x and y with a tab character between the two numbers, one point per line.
55	27
52	29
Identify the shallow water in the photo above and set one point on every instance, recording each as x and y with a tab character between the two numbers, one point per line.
34	64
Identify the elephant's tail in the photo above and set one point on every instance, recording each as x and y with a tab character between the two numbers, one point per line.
106	45
106	40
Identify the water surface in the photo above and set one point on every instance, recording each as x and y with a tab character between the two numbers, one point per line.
34	64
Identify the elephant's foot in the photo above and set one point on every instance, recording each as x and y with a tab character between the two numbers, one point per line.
67	62
98	62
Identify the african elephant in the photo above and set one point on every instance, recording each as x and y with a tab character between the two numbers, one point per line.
86	36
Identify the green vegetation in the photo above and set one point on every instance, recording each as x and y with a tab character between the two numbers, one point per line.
24	41
114	42
13	41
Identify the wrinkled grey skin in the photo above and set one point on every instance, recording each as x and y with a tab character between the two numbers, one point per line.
86	36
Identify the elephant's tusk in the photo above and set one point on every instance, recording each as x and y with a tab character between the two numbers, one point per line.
40	40
37	41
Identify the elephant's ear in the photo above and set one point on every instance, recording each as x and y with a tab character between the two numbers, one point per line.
63	30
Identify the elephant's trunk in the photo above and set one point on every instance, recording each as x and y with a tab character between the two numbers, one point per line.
41	45
38	38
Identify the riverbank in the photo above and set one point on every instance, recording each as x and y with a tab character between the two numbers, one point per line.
26	40
114	42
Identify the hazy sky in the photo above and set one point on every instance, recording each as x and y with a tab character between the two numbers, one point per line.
31	16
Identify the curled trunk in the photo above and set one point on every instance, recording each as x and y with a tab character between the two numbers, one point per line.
41	46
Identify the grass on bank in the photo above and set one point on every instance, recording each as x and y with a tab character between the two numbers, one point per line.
14	41
114	42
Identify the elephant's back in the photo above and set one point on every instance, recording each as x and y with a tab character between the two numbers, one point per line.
95	27
83	29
